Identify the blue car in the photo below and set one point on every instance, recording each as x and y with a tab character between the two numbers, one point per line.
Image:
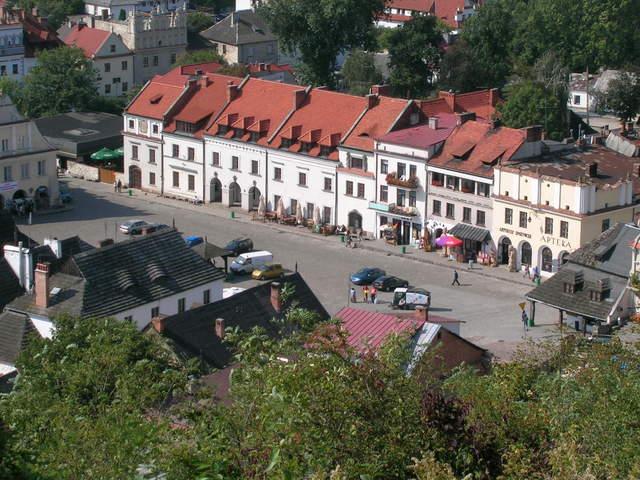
367	276
192	241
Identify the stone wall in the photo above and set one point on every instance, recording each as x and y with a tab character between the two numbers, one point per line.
82	170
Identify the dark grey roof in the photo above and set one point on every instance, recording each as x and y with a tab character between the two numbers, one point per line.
9	285
82	133
138	271
14	332
244	26
193	332
69	300
10	233
470	232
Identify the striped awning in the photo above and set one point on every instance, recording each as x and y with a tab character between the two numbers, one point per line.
469	232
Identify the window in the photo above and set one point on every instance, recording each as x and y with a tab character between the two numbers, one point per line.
412	199
235	163
128	318
215	159
125	65
152	155
605	224
402	170
548	226
384	166
523	220
42	168
293	207
134	152
152	178
483	189
480	218
112	48
145	62
413	171
5	145
310	208
3	70
116	80
175	150
326	214
191	153
14	68
107	89
224	49
173	58
24	170
302	179
357	162
132	124
276	200
191	180
401	196
453	183
384	193
466	215
349	187
8	176
206	296
155	60
564	229
107	67
361	190
576	99
181	305
437	179
125	87
155	312
277	174
437	207
328	184
176	179
451	210
468	186
155	128
508	216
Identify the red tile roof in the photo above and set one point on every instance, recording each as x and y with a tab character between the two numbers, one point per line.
376	122
445	10
422	136
207	67
88	39
270	67
369	330
475	148
158	95
482	103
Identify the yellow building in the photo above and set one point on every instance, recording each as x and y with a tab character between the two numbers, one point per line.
547	208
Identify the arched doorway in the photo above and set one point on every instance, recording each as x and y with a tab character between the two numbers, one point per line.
355	220
235	194
135	177
563	257
19	194
41	197
546	257
503	252
1	202
215	190
526	254
254	198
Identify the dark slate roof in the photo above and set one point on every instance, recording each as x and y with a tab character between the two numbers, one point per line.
193	332
470	232
138	271
9	286
9	232
240	27
208	251
69	300
14	333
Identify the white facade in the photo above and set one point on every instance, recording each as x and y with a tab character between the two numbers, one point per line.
12	51
114	64
132	6
183	166
143	150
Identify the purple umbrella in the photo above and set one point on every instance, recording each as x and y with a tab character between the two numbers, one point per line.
448	241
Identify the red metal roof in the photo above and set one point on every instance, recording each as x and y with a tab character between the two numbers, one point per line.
368	329
422	136
88	39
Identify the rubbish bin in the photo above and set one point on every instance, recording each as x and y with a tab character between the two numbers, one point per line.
342	238
403	249
130	193
232	214
530	322
538	281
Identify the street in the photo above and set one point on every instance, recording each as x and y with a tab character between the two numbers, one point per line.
488	306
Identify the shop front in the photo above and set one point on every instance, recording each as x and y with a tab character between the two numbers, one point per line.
397	226
476	242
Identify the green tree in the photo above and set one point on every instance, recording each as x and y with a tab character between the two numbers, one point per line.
56	11
198	21
235	70
413	55
199	56
622	97
458	69
83	403
359	72
62	80
319	30
122	16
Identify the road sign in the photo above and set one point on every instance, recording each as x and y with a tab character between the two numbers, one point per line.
522	305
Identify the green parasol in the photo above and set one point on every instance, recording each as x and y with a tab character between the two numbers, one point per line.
104	154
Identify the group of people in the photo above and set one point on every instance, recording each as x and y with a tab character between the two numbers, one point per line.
117	186
528	272
369	294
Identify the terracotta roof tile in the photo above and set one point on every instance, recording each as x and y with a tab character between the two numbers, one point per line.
422	136
88	39
376	122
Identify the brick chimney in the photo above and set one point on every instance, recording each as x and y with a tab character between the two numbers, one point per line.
494	97
381	90
298	98
462	118
220	328
204	81
42	284
232	91
450	98
533	133
276	301
372	100
159	323
421	313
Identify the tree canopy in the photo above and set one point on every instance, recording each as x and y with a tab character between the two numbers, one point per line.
359	72
622	96
199	56
319	30
56	11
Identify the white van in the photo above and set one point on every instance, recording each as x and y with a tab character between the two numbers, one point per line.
248	262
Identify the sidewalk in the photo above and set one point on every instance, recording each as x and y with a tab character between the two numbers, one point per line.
377	246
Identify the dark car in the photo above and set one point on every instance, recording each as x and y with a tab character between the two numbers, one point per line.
154	227
239	246
366	276
388	283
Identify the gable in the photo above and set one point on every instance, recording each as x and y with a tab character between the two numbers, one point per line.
112	41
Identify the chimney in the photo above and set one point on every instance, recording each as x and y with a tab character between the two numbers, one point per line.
232	91
533	133
42	285
233	18
298	98
276	301
55	245
433	123
105	243
462	118
449	98
220	328
421	313
372	100
494	96
593	170
159	323
381	90
262	67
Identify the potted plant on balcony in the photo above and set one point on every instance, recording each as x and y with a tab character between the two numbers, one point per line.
411	182
634	282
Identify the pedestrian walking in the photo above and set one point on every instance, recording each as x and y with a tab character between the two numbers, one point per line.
374	294
115	186
365	294
456	280
470	264
535	273
525	321
119	186
527	271
352	295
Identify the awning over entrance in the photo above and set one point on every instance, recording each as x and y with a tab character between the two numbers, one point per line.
469	232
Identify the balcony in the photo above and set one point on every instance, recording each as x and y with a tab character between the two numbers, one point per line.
411	182
394	209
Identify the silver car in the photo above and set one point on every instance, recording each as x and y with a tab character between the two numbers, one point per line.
132	227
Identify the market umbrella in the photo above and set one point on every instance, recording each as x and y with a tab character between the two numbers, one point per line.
262	207
104	154
448	241
119	151
280	208
316	216
299	217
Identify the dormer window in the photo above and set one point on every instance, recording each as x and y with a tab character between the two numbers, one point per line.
255	136
325	151
574	282
600	291
305	146
286	143
357	162
222	129
186	127
238	132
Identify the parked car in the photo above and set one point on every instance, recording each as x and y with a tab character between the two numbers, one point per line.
388	283
410	298
240	245
193	240
248	262
366	276
65	194
268	271
132	227
154	227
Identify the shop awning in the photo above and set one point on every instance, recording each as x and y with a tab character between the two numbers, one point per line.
469	232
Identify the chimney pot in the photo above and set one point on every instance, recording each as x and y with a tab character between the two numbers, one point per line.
276	301
159	323
462	118
220	328
421	313
433	123
372	100
42	284
381	90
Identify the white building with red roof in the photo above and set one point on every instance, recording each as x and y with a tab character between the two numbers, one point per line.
452	12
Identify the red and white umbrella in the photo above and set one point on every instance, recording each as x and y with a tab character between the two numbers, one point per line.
448	241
